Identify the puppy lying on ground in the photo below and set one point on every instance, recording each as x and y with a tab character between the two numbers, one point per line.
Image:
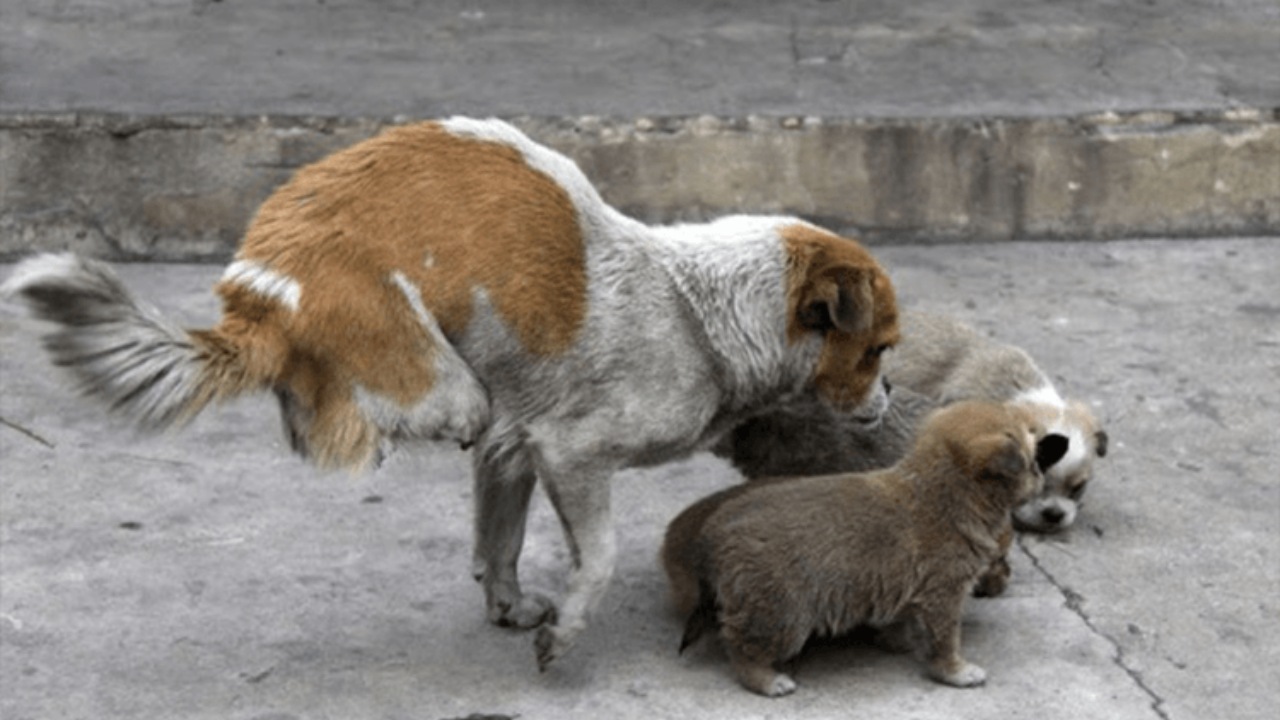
774	562
938	361
456	280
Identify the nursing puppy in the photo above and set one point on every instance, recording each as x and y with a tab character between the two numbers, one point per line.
937	362
456	280
774	562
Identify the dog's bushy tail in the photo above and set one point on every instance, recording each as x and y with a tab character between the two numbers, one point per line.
123	351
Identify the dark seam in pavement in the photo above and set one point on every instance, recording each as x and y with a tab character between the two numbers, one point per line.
1074	602
25	431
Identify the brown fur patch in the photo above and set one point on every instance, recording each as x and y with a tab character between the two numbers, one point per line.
453	215
830	270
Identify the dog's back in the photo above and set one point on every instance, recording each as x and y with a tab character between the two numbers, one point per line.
946	360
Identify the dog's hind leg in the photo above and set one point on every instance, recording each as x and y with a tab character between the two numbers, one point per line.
504	481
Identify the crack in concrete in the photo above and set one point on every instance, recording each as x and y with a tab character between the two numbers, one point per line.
27	431
1074	602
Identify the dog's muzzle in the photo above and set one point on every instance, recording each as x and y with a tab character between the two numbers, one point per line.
872	410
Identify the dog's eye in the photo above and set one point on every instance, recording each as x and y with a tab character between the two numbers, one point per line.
1075	492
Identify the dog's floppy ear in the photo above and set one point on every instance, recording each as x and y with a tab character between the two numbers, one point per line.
1050	450
1100	439
839	298
1003	458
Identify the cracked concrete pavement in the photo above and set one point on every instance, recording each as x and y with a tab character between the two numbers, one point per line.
208	573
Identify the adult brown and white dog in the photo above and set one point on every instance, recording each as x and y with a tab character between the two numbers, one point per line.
456	280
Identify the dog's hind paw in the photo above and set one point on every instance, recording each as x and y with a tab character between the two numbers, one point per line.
528	611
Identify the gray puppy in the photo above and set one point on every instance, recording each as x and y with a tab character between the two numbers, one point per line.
938	361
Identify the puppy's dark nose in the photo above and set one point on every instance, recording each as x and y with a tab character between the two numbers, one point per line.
1052	515
888	386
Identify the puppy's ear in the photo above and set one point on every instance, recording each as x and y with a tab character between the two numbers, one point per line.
1004	459
837	297
1100	440
1050	450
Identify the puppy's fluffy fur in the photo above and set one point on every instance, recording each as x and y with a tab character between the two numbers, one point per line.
455	280
775	562
938	361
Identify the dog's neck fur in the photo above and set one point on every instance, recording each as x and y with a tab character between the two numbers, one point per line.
734	269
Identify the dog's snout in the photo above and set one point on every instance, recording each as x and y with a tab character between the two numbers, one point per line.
888	386
1053	515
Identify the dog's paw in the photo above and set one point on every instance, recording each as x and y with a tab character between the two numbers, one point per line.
963	675
782	684
763	679
527	611
991	585
552	642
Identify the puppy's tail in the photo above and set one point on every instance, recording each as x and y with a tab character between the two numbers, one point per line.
702	619
124	352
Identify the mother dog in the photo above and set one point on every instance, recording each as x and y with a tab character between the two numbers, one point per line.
455	280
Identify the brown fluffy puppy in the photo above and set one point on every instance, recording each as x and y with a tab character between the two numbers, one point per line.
777	561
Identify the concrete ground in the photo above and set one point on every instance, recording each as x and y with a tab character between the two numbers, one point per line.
849	58
209	574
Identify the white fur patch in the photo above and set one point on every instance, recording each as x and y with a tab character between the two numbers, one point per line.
1044	395
1077	450
264	281
733	271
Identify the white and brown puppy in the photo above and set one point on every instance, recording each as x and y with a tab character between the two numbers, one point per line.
456	280
949	361
938	361
774	562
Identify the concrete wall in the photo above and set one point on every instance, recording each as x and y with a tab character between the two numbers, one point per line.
179	188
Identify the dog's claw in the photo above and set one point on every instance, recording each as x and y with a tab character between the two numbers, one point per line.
551	642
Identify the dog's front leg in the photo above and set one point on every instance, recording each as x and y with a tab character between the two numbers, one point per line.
941	624
503	485
581	499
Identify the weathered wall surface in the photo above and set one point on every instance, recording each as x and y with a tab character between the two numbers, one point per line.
184	188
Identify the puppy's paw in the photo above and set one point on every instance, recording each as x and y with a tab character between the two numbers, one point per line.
964	675
994	580
552	642
525	612
762	678
991	585
782	684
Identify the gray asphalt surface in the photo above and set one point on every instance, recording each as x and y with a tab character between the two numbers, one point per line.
209	574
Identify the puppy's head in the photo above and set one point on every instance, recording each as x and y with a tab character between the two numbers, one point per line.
1065	480
837	292
998	447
